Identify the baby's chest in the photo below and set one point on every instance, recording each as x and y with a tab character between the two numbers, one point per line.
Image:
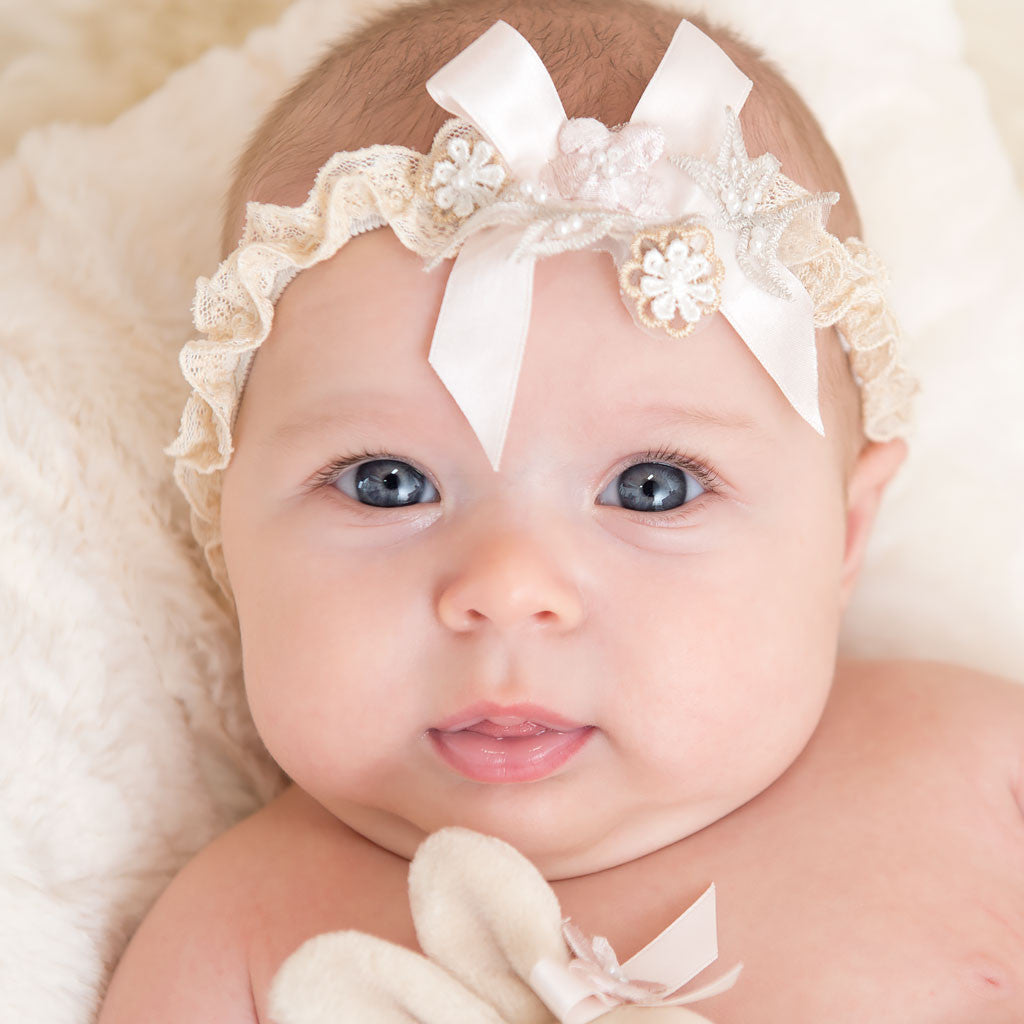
840	927
886	900
837	917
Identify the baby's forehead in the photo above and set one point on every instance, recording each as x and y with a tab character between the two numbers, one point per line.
362	323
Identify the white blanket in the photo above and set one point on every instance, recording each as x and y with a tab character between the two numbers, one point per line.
125	744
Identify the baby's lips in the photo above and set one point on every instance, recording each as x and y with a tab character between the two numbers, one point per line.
507	718
508	758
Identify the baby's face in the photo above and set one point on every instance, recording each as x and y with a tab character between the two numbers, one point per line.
682	641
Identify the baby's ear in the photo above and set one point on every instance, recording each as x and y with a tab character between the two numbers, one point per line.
876	465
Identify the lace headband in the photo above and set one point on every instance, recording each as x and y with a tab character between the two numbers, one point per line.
693	224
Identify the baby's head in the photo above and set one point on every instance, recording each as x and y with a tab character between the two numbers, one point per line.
628	628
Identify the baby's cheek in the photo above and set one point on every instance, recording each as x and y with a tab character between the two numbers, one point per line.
764	640
281	715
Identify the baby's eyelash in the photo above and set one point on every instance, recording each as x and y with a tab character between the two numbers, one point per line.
330	473
705	473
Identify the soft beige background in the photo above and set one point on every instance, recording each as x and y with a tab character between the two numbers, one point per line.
994	35
89	59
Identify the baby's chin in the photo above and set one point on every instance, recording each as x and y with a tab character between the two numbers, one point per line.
583	842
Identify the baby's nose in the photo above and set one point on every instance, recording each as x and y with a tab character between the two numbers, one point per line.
511	581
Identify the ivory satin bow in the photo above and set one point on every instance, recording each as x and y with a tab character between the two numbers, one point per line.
500	85
495	952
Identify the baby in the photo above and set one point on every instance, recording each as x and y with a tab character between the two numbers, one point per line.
598	621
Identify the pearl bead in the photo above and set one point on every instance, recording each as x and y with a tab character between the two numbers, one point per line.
576	222
562	227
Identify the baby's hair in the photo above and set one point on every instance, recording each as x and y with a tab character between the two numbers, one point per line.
370	89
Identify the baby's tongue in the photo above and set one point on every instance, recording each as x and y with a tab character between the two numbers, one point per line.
514	727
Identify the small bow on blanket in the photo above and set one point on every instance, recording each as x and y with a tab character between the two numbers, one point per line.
497	951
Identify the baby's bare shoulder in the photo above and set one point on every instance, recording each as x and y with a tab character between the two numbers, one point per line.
312	874
249	897
966	719
214	940
935	693
187	959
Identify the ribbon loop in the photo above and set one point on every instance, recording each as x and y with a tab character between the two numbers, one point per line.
571	998
693	68
500	85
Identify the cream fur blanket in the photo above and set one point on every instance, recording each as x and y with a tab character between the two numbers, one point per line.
125	744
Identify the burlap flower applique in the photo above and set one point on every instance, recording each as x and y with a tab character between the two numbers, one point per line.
673	276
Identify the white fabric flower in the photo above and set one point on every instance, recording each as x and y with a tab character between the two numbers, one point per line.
678	280
468	179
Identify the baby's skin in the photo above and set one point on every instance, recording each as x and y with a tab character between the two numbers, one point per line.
862	821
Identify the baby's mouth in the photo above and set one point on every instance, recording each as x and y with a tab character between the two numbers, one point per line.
508	747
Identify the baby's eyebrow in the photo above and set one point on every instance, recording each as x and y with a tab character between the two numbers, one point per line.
669	412
346	412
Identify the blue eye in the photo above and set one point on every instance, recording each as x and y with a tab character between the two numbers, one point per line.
653	487
659	481
388	483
